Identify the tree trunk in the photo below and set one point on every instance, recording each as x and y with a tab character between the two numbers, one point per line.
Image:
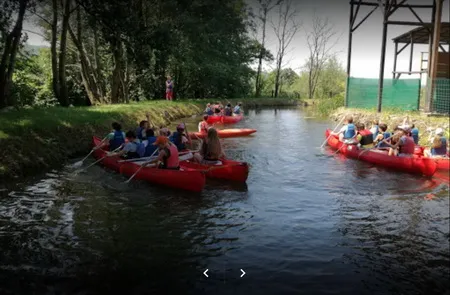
9	56
55	73
117	72
64	93
277	76
98	65
260	58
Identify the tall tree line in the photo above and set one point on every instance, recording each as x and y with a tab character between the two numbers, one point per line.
114	51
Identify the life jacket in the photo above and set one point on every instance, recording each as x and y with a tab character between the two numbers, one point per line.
117	140
442	150
407	147
374	131
366	137
150	148
140	151
415	135
209	112
171	160
228	111
139	132
237	110
177	139
386	135
350	132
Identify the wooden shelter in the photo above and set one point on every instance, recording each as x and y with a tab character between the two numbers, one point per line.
436	34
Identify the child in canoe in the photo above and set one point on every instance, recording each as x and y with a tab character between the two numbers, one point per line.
143	126
203	126
375	128
168	154
179	138
348	131
415	133
114	139
364	137
383	135
148	143
211	151
404	144
132	149
438	146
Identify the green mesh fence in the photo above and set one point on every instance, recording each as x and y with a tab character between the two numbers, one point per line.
441	96
401	94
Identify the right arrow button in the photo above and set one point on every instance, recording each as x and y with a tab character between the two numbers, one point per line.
243	273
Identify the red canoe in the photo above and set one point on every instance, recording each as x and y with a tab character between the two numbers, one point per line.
418	165
229	170
442	163
224	119
225	133
185	178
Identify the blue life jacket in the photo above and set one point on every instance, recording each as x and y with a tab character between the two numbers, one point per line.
350	133
415	135
440	150
228	112
237	110
139	132
117	140
140	149
386	135
175	138
150	149
209	112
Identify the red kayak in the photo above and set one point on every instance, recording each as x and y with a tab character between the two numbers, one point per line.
186	178
229	170
225	119
418	165
443	163
225	133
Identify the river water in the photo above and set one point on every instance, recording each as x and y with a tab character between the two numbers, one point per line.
306	222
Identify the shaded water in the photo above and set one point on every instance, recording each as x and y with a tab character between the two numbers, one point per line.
306	222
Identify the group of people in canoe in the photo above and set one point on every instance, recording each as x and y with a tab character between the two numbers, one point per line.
217	109
401	142
146	141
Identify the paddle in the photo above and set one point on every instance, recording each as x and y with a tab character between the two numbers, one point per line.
80	163
140	168
151	157
99	160
326	140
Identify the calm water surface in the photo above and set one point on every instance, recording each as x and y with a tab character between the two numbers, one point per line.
306	222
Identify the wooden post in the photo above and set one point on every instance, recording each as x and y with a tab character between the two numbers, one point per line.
383	55
395	59
411	53
433	62
349	52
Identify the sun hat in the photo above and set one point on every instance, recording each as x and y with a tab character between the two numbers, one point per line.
161	140
404	128
439	131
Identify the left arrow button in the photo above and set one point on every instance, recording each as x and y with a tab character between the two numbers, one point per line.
205	272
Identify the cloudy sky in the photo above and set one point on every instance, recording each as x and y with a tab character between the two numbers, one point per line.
366	39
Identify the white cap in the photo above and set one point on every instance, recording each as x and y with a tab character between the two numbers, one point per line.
439	131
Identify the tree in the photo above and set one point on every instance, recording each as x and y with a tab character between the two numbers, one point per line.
10	48
320	43
285	30
265	7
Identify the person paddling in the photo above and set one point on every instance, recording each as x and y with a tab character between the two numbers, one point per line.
132	149
228	111
404	145
209	111
179	138
415	133
203	126
375	128
383	135
168	154
211	151
149	143
143	126
438	146
237	109
348	131
363	136
114	139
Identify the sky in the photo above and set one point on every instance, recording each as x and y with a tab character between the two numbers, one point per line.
366	48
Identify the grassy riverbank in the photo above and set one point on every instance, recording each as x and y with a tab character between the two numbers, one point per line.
394	118
34	140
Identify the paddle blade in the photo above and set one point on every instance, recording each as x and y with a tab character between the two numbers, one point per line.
76	165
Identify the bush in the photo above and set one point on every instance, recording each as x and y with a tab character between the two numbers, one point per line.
325	106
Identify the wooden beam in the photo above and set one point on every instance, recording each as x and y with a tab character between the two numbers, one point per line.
383	57
403	48
399	5
434	57
364	19
411	52
395	59
403	23
396	6
349	51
